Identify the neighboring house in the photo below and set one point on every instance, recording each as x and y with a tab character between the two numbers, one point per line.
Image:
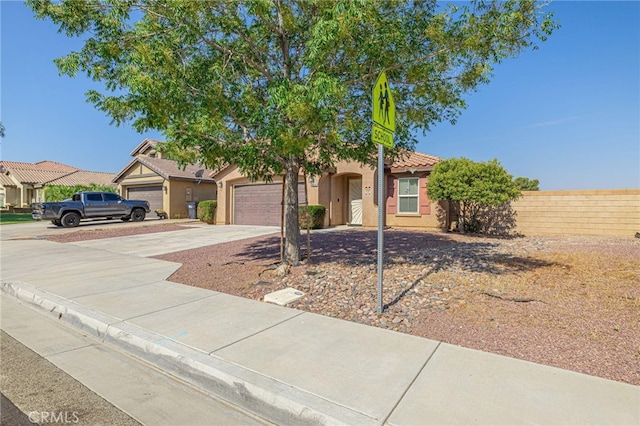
349	192
24	183
162	182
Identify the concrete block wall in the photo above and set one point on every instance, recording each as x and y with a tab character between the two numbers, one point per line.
593	212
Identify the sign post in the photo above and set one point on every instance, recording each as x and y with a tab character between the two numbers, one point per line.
384	125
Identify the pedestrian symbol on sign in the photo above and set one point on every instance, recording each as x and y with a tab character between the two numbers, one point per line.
384	109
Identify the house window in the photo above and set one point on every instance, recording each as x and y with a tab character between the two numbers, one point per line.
408	195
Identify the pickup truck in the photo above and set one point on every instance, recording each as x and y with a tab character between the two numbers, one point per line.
90	205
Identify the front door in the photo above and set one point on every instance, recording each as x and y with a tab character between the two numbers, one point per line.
355	201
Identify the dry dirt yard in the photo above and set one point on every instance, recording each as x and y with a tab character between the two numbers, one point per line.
568	302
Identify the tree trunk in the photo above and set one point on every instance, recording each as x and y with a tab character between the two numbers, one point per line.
306	205
292	227
284	179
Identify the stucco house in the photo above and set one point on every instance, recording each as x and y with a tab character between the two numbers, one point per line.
22	184
162	182
349	192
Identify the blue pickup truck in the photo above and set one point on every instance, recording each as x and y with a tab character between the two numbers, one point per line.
90	205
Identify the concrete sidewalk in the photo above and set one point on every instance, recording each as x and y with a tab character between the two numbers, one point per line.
294	367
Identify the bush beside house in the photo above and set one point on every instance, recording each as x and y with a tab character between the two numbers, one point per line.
206	211
315	216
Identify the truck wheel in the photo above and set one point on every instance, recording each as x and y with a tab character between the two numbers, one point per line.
70	220
138	215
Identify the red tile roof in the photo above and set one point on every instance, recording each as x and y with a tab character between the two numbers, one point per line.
414	160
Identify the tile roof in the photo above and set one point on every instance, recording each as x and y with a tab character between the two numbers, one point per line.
52	166
52	172
142	146
170	169
82	177
407	161
55	166
34	176
414	160
6	180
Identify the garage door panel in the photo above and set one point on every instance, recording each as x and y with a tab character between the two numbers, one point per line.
152	194
260	204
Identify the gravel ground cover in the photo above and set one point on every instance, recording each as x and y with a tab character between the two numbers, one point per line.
569	302
100	233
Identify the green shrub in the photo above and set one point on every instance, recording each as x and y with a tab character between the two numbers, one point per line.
206	211
316	213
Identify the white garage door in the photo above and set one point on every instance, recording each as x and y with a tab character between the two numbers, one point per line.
152	194
260	204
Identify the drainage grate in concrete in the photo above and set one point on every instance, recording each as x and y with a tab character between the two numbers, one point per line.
284	296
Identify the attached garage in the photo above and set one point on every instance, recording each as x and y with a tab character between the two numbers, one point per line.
153	194
260	204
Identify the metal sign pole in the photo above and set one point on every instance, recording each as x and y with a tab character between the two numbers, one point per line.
384	124
380	223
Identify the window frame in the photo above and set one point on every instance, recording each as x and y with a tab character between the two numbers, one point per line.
94	197
112	196
416	195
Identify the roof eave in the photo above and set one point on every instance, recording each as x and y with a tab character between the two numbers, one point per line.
415	169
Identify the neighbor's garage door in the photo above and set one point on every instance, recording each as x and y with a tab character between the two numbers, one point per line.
260	204
153	194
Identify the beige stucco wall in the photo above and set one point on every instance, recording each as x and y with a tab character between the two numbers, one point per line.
232	176
13	196
429	221
595	212
180	192
139	174
332	191
177	192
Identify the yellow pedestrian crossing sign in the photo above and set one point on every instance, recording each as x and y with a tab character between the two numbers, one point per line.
384	109
381	136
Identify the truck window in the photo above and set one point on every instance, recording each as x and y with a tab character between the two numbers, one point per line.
94	197
76	197
111	197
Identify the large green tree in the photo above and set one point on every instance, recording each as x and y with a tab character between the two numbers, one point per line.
526	184
471	187
280	86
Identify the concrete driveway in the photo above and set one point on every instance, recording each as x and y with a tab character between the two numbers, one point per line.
195	236
41	229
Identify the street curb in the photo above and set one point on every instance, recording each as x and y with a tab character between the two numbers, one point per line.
269	398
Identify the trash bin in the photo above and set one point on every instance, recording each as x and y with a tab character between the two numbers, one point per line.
193	213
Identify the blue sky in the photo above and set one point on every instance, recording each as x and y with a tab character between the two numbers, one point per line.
567	114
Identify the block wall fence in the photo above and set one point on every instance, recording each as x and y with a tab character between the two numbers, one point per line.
594	212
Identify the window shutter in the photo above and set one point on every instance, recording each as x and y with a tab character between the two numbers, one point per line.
392	195
423	199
